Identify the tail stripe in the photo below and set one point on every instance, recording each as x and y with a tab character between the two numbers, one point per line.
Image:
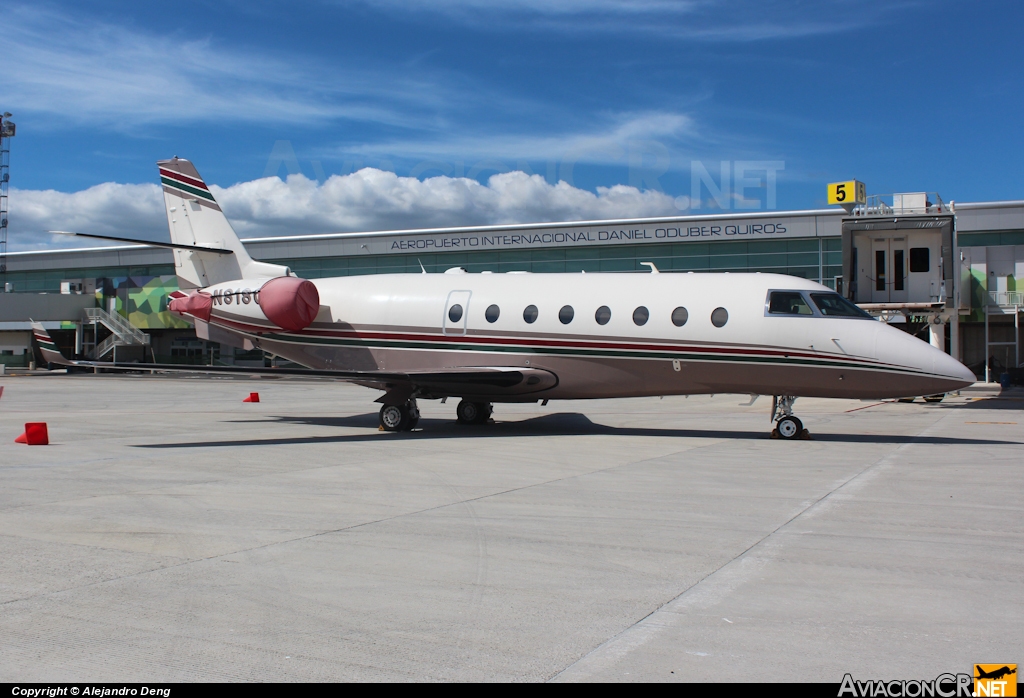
183	178
185	188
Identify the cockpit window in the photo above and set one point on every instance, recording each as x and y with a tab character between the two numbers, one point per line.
834	305
788	303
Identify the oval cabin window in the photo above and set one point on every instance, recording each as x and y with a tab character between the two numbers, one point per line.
566	314
492	313
680	316
719	316
603	315
641	315
530	314
455	313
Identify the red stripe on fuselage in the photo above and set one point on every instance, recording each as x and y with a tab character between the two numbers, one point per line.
184	179
539	343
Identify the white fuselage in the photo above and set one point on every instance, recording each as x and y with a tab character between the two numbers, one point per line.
406	322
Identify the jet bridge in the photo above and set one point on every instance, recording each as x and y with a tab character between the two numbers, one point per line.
898	262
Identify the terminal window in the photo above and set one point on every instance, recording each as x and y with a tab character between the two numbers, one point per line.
919	260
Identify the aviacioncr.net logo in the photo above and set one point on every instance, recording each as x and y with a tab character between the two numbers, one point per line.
942	686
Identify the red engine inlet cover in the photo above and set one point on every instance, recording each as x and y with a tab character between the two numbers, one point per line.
289	302
196	303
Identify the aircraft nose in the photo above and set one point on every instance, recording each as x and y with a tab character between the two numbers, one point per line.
943	372
946	365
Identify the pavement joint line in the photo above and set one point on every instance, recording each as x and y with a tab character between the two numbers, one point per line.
607	644
343	529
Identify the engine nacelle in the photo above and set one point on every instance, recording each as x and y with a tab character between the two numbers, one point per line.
284	302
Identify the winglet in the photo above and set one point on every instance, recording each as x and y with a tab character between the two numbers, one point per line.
47	347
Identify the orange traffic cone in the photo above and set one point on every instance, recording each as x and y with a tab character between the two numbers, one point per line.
35	435
253	397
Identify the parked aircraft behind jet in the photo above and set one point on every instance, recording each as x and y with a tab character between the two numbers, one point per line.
518	337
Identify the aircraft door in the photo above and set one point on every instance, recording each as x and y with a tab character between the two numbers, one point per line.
456	312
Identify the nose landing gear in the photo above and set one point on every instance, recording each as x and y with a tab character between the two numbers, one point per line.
787	426
399	417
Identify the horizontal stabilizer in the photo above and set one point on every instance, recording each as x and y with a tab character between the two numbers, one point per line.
148	243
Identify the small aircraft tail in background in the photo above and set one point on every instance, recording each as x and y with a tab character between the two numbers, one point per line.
194	218
47	347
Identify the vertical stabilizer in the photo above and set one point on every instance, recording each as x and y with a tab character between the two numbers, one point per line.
47	347
195	218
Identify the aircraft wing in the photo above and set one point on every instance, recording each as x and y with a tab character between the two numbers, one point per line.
478	381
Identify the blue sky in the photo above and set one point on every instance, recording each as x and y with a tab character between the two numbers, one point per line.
906	96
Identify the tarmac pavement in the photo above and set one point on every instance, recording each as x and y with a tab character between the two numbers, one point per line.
172	533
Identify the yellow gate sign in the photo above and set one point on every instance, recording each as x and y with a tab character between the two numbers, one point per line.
847	193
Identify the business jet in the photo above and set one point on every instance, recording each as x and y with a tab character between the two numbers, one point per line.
516	337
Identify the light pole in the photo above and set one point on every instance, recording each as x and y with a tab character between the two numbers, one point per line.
6	134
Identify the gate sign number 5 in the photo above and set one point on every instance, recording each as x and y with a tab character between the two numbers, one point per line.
852	192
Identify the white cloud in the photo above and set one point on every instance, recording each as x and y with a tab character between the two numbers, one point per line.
721	21
612	143
83	70
366	200
130	210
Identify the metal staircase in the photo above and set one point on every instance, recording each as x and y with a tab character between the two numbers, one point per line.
122	332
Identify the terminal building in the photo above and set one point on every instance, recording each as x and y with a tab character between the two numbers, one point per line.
942	271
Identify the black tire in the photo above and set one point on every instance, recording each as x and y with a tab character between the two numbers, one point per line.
906	399
394	418
473	412
934	398
486	409
789	428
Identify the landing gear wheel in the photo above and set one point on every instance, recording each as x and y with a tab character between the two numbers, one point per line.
906	399
399	417
473	412
789	428
934	398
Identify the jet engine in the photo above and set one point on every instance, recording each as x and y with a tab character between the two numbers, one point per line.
284	302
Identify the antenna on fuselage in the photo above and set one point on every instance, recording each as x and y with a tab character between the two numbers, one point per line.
654	269
421	266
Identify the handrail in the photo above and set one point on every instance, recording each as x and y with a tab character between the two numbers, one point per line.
877	206
127	332
1005	299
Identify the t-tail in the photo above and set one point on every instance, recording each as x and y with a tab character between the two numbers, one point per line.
47	347
194	218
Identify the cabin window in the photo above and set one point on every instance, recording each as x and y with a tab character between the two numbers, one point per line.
640	315
834	305
788	303
603	315
680	316
565	314
530	314
455	313
492	313
719	316
919	259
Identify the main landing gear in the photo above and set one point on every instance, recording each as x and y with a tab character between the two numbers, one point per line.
399	417
473	412
787	426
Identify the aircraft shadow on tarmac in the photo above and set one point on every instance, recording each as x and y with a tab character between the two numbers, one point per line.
564	424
